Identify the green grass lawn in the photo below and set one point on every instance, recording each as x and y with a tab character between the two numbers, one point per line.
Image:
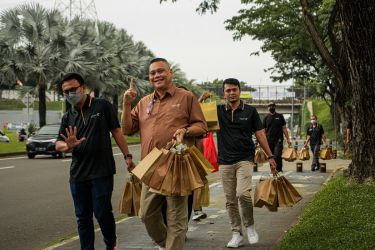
13	145
341	216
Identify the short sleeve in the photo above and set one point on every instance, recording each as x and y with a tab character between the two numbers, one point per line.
111	116
256	122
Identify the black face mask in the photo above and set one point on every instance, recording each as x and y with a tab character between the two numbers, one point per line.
272	110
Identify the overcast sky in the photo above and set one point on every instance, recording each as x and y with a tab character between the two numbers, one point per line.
199	44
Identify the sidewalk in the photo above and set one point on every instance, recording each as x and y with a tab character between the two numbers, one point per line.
214	232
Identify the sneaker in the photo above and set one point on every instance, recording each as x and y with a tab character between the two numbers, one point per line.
252	235
236	241
199	215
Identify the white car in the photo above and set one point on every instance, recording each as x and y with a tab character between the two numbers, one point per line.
3	137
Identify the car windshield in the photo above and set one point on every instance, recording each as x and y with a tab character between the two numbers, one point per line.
49	130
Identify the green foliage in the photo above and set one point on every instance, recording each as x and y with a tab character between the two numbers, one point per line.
11	104
339	217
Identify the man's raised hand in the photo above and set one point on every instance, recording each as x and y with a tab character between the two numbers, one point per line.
71	137
131	93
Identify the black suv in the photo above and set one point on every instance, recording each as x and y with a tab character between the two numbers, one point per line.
43	142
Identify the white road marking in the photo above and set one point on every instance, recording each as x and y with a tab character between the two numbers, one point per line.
214	216
2	168
77	237
12	158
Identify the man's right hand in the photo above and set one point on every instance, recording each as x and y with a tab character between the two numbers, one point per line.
130	94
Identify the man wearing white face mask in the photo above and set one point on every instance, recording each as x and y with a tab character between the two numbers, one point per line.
85	131
315	135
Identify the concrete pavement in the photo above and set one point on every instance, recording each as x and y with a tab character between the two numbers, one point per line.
214	232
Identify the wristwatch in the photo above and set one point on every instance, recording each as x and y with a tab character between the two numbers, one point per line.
128	156
187	132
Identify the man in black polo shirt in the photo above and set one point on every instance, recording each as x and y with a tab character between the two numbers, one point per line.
238	121
275	126
315	135
85	131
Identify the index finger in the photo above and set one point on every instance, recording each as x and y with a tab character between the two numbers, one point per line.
132	84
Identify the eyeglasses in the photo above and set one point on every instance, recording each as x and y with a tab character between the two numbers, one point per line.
67	91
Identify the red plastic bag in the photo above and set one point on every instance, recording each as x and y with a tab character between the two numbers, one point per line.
209	151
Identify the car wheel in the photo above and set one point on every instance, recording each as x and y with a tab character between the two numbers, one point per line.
31	156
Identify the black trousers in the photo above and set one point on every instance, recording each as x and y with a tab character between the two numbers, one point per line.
277	149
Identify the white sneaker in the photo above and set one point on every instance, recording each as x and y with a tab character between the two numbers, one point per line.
199	215
252	235
236	241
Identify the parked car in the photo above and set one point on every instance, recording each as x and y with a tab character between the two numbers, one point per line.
43	142
3	137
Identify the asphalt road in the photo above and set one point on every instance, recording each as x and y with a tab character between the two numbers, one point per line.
36	206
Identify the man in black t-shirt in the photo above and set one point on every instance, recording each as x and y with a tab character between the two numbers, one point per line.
315	135
275	126
238	122
84	131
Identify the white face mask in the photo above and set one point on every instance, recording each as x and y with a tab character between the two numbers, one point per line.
74	98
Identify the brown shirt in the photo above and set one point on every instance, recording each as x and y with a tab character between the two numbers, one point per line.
158	119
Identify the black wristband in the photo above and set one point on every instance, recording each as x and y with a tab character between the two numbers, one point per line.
128	156
271	157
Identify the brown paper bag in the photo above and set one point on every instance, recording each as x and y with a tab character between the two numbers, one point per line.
205	195
326	153
130	200
303	154
147	162
260	156
296	197
161	168
265	193
199	160
209	110
289	154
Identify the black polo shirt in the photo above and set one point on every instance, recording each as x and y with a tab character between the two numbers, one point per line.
235	135
93	158
315	134
273	124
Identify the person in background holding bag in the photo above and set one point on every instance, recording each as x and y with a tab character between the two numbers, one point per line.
275	126
237	122
169	112
315	135
84	131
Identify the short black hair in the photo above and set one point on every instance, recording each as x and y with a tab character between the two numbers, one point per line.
72	76
233	81
158	59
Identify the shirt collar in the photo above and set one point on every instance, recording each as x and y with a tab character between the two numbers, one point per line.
171	91
241	106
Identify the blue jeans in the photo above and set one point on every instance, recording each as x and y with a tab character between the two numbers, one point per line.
94	196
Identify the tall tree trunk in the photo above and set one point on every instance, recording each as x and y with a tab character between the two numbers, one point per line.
42	104
358	36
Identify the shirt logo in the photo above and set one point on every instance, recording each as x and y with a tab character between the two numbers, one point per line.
95	115
176	105
243	118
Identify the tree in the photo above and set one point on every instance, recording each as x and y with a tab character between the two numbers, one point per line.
347	52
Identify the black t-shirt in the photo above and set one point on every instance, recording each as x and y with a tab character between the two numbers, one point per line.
315	134
235	135
349	125
273	125
93	158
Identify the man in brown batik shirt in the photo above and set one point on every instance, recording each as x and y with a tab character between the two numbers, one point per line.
167	113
